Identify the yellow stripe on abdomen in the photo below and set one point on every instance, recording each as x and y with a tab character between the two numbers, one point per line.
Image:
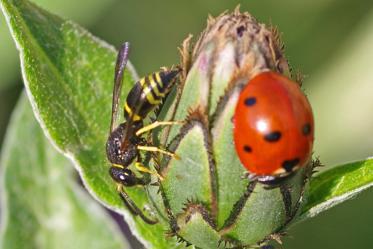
150	98
130	113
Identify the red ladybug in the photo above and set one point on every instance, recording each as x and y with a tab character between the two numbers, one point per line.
273	127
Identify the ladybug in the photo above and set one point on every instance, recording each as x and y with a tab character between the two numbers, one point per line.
273	127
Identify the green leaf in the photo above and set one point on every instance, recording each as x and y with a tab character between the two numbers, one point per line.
85	11
335	186
68	76
42	206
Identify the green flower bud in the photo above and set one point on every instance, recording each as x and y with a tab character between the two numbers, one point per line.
206	198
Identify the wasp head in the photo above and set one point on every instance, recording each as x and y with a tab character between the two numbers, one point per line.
124	176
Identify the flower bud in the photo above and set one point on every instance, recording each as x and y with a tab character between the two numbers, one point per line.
206	197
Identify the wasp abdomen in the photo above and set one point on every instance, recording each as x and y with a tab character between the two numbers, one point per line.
148	93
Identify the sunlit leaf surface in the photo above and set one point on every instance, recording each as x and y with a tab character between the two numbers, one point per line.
42	205
68	76
336	186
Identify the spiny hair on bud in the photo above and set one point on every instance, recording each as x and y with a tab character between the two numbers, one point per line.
276	34
193	207
185	57
313	168
169	233
237	10
274	237
197	114
194	118
299	77
210	20
181	240
191	203
229	243
316	163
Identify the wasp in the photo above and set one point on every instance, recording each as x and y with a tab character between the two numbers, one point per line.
125	141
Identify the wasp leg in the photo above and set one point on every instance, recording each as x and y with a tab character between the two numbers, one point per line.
142	168
155	125
132	206
156	149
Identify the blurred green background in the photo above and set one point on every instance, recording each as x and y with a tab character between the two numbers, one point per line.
329	41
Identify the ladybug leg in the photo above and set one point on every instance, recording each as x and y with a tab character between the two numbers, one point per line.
250	176
270	182
246	175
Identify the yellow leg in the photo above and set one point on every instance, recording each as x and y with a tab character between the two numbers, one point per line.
141	168
118	165
155	125
156	149
119	187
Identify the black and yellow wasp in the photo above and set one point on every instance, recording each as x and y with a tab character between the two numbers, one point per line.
125	141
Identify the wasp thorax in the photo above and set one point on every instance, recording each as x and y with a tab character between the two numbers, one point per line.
121	144
206	194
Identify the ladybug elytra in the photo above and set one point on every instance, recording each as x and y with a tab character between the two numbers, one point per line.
273	127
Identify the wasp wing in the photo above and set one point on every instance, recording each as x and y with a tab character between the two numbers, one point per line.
120	66
129	129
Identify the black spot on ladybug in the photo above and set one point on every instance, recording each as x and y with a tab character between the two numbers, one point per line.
240	30
288	165
247	149
306	130
274	136
250	101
